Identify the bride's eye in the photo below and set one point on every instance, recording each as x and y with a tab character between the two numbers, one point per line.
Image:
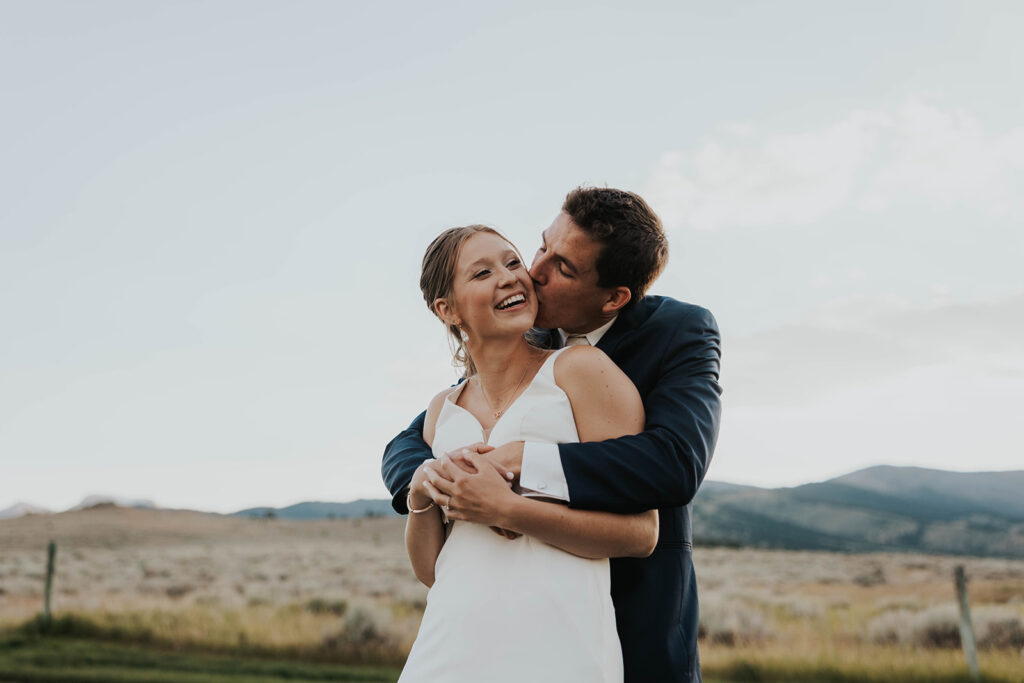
482	273
514	263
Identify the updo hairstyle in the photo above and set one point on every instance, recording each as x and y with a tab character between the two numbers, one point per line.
437	278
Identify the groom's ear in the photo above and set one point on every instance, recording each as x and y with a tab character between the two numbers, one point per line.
617	298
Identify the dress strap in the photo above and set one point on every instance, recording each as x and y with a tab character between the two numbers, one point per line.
547	370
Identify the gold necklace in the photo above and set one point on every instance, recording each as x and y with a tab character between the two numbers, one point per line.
498	413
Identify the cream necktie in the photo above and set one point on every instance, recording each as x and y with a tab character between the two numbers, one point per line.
577	340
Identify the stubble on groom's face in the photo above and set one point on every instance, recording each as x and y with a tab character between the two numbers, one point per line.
564	273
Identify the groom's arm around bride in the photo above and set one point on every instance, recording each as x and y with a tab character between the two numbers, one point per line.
603	243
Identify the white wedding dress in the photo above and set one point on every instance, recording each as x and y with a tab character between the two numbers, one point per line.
514	610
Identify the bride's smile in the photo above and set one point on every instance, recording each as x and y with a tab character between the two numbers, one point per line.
492	293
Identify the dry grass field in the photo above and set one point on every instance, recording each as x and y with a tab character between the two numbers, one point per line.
343	591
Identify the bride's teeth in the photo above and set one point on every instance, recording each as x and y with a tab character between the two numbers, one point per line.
511	301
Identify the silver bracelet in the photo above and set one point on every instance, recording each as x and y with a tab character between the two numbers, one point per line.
408	504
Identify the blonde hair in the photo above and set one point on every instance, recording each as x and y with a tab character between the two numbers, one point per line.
437	281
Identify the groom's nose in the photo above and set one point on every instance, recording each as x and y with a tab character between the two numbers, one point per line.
537	270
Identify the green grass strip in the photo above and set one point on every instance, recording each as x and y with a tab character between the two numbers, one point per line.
741	671
78	661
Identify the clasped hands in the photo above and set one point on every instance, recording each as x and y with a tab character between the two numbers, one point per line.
472	484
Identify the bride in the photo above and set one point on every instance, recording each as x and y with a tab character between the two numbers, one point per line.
532	603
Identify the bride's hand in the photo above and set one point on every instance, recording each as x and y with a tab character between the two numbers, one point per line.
475	496
419	496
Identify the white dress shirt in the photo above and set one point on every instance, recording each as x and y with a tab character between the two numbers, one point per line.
541	474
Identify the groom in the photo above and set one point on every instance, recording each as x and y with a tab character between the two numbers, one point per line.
595	263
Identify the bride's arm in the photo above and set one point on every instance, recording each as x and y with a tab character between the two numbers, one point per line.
587	533
605	405
424	531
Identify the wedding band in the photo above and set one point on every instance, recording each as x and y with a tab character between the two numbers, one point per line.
447	508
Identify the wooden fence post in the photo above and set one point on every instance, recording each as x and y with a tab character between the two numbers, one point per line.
966	629
51	556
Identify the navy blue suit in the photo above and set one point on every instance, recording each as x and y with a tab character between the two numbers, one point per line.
671	351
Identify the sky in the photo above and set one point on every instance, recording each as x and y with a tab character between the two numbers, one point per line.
212	216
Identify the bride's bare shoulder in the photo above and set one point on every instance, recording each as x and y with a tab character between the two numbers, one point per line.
604	401
582	363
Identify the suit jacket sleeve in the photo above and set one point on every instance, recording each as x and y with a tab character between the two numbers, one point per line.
664	465
401	458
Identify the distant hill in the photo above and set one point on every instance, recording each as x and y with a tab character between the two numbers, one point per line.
100	499
876	509
1001	493
20	509
321	510
716	487
883	508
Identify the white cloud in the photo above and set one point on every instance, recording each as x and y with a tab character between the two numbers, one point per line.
869	160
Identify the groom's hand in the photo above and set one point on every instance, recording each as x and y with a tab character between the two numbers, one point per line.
456	457
460	458
508	458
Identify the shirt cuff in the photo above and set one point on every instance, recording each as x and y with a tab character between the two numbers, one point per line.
541	474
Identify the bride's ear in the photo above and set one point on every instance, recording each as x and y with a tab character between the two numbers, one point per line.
445	313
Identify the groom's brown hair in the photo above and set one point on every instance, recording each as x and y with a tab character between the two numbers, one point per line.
634	249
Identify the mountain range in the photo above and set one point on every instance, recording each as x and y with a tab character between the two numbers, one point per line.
882	508
22	508
321	510
876	509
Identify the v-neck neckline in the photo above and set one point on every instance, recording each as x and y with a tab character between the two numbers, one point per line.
486	433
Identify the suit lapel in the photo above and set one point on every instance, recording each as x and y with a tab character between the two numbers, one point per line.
626	323
615	333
